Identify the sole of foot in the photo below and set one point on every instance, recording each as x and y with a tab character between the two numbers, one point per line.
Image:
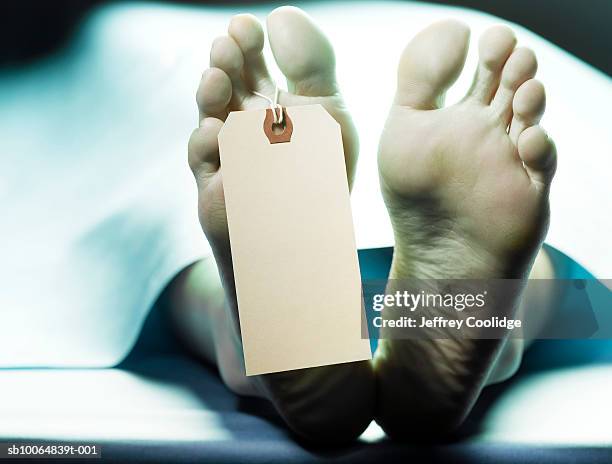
466	187
313	402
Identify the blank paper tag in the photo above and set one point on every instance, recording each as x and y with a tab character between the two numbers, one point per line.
292	239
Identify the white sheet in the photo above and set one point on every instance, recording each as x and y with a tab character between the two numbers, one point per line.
98	206
114	405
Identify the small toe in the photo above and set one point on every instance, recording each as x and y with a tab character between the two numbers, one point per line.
520	67
527	107
430	63
248	34
214	94
303	53
226	55
203	148
539	155
494	47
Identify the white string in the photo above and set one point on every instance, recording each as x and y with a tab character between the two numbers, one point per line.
273	104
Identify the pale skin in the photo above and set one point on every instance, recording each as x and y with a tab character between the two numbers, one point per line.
467	193
500	166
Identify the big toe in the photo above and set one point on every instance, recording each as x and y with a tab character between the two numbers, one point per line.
430	63
302	52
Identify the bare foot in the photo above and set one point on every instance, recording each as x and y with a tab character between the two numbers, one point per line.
332	403
466	187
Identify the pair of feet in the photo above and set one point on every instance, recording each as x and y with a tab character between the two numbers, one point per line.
466	188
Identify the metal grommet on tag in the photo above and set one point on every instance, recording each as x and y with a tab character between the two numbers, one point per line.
278	132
